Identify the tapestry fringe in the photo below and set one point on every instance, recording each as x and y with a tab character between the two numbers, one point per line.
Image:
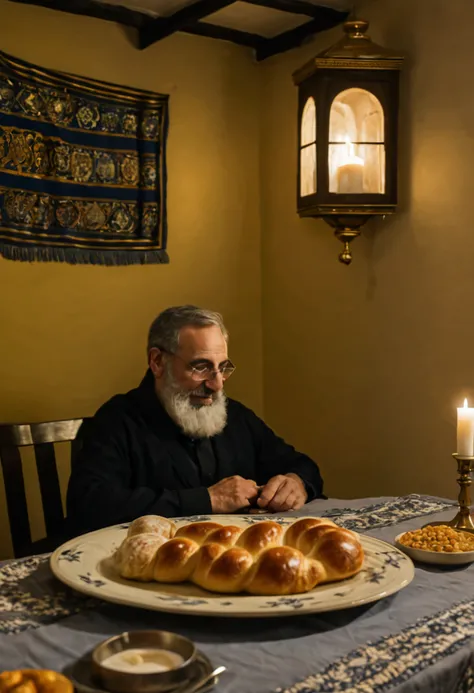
81	256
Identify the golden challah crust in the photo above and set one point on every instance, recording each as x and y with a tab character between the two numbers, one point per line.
262	559
34	681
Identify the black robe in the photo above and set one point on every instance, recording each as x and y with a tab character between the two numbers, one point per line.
133	460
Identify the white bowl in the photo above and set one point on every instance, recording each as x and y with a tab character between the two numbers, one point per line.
437	557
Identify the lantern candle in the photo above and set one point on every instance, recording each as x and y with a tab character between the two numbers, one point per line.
350	174
465	431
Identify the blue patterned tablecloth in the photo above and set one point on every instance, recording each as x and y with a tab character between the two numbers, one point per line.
420	639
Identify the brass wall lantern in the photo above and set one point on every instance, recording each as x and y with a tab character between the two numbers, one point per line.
347	133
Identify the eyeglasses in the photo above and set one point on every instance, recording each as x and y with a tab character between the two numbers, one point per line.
201	372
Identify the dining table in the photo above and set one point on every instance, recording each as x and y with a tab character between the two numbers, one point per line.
420	638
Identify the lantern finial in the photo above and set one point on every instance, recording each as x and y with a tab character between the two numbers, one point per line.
356	28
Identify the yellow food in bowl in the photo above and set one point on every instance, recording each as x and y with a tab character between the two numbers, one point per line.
441	538
34	681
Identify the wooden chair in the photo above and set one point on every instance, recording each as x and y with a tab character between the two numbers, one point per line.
42	437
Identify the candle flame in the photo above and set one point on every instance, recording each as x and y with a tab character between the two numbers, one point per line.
350	147
465	403
349	156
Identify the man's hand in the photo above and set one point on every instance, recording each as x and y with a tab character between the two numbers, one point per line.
283	492
232	494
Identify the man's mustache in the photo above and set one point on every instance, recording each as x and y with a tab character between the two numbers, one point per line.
204	391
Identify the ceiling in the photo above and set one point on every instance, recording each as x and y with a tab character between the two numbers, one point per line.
267	26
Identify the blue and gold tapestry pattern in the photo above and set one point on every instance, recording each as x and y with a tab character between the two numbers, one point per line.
82	168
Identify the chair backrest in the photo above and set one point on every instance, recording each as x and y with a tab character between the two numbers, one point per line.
42	437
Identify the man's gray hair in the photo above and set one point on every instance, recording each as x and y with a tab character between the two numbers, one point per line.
165	329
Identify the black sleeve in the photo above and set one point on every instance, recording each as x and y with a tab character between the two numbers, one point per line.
100	491
275	456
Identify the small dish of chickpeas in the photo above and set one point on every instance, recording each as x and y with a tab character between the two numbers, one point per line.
439	544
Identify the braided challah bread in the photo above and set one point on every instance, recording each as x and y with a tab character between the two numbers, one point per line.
264	558
34	681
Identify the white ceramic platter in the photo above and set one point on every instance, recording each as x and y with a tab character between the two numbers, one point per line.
85	564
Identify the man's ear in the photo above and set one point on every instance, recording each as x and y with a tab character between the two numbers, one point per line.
155	362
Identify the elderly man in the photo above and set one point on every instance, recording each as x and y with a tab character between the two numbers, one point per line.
176	445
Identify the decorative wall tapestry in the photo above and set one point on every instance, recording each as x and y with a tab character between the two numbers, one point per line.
82	169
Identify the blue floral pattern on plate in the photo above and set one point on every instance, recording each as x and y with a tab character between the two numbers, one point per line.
89	580
71	555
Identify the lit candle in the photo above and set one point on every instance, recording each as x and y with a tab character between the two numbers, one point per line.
465	430
350	174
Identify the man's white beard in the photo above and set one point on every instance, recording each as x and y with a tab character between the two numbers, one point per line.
196	422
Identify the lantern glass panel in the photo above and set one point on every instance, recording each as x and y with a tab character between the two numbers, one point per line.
356	143
308	149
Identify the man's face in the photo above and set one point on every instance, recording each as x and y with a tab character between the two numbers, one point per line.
199	347
189	383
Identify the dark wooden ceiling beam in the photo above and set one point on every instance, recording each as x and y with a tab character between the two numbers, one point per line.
158	29
90	8
151	30
328	19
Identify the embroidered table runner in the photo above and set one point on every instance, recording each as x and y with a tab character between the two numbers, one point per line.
82	168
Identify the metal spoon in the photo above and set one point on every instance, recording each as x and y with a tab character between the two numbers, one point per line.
200	682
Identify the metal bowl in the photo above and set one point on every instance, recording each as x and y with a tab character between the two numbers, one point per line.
128	682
